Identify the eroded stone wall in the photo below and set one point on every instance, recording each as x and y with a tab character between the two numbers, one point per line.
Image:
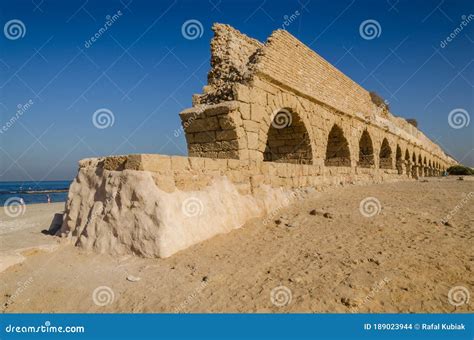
155	205
172	173
285	75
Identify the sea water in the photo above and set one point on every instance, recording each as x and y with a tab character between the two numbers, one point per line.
34	192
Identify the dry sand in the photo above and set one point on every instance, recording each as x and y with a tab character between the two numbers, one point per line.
403	259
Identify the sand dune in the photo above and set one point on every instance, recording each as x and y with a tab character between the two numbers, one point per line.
321	254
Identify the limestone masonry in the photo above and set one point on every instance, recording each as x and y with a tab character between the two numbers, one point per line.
274	118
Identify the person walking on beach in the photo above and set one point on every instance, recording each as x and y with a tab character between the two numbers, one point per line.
48	198
22	202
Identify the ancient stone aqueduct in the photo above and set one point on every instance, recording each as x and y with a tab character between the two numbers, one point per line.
274	116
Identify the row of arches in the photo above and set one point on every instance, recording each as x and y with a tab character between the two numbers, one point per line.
291	144
338	154
338	151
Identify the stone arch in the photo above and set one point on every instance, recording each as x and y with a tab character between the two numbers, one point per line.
385	155
399	160
337	149
288	140
414	167
420	165
407	162
264	116
366	151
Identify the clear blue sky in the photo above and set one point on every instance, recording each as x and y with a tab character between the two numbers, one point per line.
145	71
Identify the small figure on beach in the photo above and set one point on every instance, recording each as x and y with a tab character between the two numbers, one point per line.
22	201
48	198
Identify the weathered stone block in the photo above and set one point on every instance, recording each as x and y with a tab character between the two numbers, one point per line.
215	164
180	163
203	124
205	137
226	135
156	163
252	140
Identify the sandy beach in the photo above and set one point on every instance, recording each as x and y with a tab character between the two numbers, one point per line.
321	254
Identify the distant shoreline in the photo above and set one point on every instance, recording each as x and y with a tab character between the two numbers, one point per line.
37	204
33	192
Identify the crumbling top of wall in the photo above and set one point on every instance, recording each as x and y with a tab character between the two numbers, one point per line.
232	54
286	62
